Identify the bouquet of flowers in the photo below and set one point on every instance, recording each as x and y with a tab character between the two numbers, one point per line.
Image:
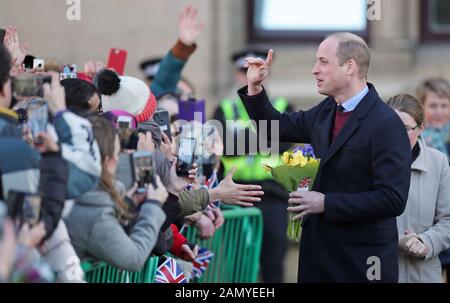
296	174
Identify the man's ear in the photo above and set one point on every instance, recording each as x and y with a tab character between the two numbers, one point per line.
352	67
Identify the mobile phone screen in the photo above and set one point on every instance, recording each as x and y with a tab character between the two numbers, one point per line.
123	124
186	149
144	170
31	208
37	113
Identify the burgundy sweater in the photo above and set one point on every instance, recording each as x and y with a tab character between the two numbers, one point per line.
339	120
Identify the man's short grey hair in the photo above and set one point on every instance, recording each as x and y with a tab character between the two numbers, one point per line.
353	47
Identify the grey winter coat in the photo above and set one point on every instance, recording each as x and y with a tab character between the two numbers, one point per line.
96	232
427	213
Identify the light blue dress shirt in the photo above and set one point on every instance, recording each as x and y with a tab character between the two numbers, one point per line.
351	103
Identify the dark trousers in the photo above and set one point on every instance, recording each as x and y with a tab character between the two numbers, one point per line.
274	244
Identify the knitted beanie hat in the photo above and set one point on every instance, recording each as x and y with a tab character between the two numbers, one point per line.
125	93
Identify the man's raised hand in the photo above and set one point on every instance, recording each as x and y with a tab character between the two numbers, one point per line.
258	71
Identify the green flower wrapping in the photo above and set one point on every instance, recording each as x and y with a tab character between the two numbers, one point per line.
297	174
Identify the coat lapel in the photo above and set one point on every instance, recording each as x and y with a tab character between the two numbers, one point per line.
352	123
325	125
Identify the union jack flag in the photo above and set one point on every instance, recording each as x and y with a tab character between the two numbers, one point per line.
170	272
201	262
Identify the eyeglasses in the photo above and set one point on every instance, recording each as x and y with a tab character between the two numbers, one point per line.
410	129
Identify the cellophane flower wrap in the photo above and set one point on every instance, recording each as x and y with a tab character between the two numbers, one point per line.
296	174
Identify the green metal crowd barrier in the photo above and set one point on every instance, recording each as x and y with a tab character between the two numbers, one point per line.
236	247
100	272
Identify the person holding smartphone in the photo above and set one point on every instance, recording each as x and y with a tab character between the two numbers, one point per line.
94	223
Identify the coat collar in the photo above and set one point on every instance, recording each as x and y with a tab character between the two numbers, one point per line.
421	162
350	126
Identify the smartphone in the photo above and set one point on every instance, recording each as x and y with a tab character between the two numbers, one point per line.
38	63
186	147
37	115
125	172
30	85
124	122
117	59
69	71
144	170
24	207
161	117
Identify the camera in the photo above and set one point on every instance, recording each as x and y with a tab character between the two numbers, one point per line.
30	85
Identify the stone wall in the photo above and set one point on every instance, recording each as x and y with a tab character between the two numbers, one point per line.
148	28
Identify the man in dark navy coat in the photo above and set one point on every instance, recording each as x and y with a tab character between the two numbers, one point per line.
349	229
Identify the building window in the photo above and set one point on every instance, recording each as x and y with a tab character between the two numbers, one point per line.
305	20
435	20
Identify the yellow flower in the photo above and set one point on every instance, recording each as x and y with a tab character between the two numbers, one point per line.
286	157
299	159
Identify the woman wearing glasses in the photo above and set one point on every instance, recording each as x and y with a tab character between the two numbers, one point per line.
424	226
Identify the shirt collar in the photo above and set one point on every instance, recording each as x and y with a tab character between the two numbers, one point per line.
351	103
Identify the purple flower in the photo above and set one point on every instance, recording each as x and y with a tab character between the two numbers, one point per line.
306	150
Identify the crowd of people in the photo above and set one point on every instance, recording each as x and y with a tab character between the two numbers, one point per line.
66	194
72	166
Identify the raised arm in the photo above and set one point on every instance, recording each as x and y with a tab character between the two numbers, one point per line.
293	127
169	73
